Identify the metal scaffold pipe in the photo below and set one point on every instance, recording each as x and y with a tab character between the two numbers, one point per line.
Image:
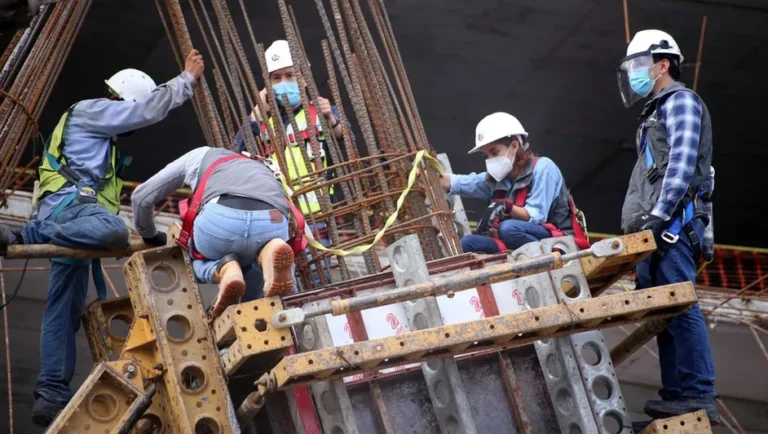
450	285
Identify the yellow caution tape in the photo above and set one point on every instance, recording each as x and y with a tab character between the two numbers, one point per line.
390	220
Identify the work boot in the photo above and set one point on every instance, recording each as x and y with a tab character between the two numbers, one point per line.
44	412
664	409
276	259
231	285
9	237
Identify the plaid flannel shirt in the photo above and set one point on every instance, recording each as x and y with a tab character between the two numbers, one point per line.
681	114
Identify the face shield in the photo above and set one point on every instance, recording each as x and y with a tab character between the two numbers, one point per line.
634	76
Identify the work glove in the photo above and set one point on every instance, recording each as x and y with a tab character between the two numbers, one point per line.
496	212
647	222
160	239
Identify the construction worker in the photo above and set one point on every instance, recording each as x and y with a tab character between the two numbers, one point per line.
80	190
529	199
669	183
283	77
243	216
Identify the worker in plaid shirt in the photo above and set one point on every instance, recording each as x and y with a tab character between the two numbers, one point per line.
670	194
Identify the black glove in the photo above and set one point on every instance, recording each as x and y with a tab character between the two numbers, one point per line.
160	239
646	222
494	211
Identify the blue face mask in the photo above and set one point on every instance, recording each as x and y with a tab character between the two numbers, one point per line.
640	81
291	89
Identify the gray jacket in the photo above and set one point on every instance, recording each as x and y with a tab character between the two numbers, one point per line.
242	177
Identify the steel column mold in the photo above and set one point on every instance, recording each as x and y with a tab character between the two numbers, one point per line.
446	390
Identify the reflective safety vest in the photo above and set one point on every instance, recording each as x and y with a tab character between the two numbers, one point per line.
293	154
54	170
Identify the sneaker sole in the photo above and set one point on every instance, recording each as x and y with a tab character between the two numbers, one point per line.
229	294
276	266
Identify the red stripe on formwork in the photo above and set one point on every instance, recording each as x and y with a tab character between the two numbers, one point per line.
305	406
487	299
357	327
759	270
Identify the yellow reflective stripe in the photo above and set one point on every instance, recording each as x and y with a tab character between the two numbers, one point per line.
390	220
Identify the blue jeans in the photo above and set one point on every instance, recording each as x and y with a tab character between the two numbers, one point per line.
219	231
78	225
685	357
514	233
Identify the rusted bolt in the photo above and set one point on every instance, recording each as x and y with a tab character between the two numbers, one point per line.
130	370
450	294
615	244
282	317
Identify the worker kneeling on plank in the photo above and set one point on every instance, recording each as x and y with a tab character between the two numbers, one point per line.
529	199
669	193
283	78
237	220
80	190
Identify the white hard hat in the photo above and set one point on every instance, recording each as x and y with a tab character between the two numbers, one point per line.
496	126
278	56
131	84
654	42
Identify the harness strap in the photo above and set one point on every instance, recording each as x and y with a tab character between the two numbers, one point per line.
189	209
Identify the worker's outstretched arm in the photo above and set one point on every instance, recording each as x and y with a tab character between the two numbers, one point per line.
110	118
682	119
474	185
183	171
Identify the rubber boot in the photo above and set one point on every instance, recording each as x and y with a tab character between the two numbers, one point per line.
276	260
231	285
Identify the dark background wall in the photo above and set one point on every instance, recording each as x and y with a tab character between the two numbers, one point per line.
551	63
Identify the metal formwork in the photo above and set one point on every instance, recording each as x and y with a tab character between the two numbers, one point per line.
446	391
166	299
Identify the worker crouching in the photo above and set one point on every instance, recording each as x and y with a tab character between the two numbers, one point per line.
236	226
528	197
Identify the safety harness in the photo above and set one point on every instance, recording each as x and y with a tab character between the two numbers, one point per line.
500	209
85	193
190	208
682	221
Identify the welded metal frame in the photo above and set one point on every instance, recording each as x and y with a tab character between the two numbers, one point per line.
504	331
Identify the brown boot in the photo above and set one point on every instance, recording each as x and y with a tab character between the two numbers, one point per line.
231	285
276	259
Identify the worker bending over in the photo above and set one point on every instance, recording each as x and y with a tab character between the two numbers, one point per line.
283	77
668	193
529	199
80	188
242	224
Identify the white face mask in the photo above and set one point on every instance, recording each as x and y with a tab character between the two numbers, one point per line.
499	167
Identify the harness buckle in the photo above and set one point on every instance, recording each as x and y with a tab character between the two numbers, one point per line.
652	174
669	237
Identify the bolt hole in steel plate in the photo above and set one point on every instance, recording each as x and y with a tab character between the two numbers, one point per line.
260	325
119	325
591	354
570	286
164	277
532	300
193	378
178	328
452	425
574	429
207	425
553	367
612	422
401	259
330	403
442	393
149	424
103	406
603	388
564	401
